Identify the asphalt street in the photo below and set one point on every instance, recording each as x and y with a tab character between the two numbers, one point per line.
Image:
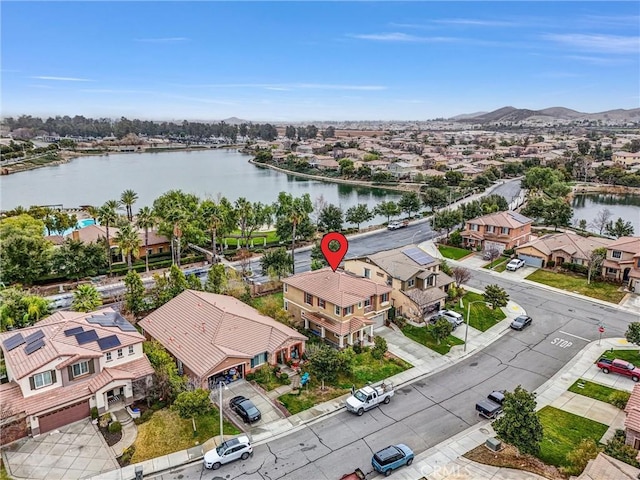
438	406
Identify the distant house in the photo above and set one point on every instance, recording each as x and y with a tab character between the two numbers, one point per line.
623	262
402	169
626	158
213	336
93	233
500	230
419	286
560	248
338	307
67	363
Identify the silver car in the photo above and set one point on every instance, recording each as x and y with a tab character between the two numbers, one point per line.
234	449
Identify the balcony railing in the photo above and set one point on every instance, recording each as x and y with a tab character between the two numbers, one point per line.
368	308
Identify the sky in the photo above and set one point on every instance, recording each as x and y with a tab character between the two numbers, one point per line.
301	61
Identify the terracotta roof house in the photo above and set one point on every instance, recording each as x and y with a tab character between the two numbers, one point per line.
419	286
604	467
69	362
560	248
339	307
500	230
632	420
212	336
92	233
623	262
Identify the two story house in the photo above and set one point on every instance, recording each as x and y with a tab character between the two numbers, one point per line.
623	262
565	247
418	285
339	307
61	367
499	230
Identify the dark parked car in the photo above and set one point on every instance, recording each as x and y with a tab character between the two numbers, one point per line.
519	323
245	408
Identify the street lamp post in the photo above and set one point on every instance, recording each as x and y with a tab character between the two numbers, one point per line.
220	385
414	235
466	332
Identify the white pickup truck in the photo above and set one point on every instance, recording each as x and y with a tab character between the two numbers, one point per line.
368	397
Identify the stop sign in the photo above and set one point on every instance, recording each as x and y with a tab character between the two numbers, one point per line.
601	329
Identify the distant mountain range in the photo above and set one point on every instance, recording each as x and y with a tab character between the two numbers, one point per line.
512	114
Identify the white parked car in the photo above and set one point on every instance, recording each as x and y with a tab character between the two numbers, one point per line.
454	317
515	264
234	449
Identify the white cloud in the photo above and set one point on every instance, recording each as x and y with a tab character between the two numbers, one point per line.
60	79
399	37
161	40
597	60
476	22
294	86
602	43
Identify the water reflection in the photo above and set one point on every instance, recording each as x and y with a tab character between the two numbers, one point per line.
624	206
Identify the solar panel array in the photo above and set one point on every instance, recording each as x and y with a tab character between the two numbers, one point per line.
418	255
13	342
33	346
109	342
37	335
86	337
73	331
112	319
519	217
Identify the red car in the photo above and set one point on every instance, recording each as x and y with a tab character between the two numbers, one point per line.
621	367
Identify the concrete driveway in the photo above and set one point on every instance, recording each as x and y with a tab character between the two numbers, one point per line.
75	451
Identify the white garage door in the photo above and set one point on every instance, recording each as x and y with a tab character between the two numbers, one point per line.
531	260
494	245
378	321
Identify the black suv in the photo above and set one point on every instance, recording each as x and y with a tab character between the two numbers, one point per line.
245	408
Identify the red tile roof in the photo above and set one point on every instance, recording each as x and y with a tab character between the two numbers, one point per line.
339	287
203	329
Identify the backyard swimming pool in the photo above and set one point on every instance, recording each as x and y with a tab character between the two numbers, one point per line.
85	222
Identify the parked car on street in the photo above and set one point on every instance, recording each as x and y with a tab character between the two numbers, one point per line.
369	397
392	457
620	367
245	408
491	407
395	225
234	449
520	322
515	264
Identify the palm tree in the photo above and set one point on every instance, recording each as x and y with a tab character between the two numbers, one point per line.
107	217
176	218
295	210
128	241
212	215
128	198
86	299
146	220
94	212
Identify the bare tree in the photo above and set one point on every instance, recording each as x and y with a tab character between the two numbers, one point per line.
595	259
491	254
461	275
319	204
601	220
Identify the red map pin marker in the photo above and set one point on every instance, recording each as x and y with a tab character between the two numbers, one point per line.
334	258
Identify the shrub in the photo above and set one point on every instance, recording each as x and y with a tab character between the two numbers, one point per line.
399	321
619	399
94	413
104	420
125	458
158	405
616	448
357	347
380	347
145	417
580	456
551	263
508	251
115	427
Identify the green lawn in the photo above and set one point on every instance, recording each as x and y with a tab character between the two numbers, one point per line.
454	253
563	431
499	264
257	302
594	390
632	356
423	336
481	316
578	284
166	432
309	397
257	242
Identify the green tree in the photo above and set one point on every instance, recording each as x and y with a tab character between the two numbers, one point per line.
76	260
558	190
380	347
193	282
441	329
594	262
619	229
127	199
168	382
108	216
277	263
454	178
541	178
455	239
24	253
86	299
496	296
330	218
128	242
146	220
557	212
18	308
216	279
293	212
520	425
218	219
535	208
263	155
409	203
135	293
358	214
346	167
446	220
323	363
387	209
633	333
434	198
178	219
317	257
177	282
192	403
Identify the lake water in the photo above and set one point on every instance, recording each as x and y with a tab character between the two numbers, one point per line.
96	179
625	206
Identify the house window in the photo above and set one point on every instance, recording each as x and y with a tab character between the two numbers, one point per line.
347	310
431	280
473	227
160	249
367	302
612	271
490	228
384	297
380	274
616	254
505	231
259	359
43	379
367	273
79	369
337	310
411	283
308	298
285	288
131	350
120	353
108	355
359	305
149	251
286	306
321	303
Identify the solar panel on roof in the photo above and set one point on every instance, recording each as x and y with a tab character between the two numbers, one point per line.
518	217
108	342
37	335
112	319
86	337
33	346
418	256
73	331
13	342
